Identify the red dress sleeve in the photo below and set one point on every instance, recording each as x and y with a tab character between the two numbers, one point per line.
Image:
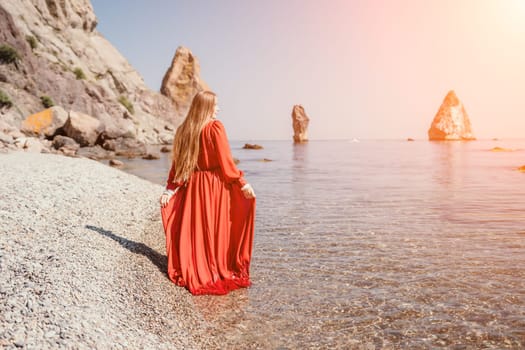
170	185
229	171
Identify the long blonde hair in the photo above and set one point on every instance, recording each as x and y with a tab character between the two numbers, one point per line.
187	137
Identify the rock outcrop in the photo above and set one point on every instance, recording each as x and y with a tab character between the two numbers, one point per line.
182	80
252	146
125	147
116	163
83	128
501	149
300	124
52	54
45	123
451	122
65	144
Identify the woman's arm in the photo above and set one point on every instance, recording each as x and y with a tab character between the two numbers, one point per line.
170	184
230	172
171	187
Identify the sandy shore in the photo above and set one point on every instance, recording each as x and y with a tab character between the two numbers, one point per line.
82	261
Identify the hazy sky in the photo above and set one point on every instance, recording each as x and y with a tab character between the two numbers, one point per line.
364	69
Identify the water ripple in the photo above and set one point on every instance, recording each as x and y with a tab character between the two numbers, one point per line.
383	244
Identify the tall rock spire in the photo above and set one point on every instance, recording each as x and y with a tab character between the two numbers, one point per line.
300	124
182	80
451	122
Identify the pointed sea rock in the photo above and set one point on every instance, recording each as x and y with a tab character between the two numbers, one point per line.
300	124
451	122
182	80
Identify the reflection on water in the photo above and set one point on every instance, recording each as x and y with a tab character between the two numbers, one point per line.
379	244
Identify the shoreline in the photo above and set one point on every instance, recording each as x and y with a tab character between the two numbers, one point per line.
82	260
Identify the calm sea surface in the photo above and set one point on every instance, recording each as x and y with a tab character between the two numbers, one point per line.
379	244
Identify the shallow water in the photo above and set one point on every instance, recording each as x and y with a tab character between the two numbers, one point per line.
379	244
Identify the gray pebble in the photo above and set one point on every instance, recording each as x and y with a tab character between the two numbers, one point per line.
19	343
50	334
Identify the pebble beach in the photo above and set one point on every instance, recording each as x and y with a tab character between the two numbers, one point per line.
82	260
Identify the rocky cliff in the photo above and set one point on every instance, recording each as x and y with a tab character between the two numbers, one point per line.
52	54
451	122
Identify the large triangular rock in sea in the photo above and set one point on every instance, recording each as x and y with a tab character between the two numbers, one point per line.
182	80
300	124
451	122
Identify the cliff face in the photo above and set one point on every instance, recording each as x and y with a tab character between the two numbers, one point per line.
63	60
451	122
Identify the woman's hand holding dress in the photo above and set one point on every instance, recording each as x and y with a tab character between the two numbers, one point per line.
248	191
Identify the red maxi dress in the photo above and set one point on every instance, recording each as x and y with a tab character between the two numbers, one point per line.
209	224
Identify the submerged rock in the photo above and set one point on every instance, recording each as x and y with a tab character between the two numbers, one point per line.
501	149
451	122
115	163
151	156
252	146
300	124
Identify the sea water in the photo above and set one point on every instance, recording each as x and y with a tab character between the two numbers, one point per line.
378	244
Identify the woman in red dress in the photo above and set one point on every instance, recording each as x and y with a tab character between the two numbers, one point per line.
208	208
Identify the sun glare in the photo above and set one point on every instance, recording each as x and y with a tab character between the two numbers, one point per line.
514	14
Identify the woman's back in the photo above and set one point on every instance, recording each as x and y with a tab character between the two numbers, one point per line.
215	154
208	159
